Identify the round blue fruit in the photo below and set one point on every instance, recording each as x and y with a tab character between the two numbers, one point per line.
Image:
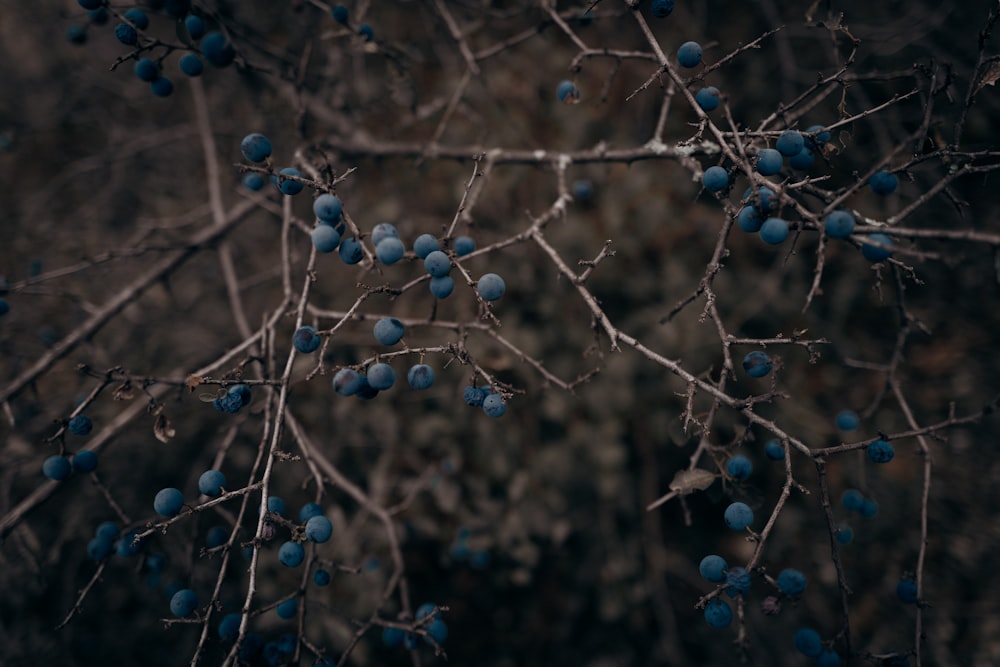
168	502
844	534
138	18
880	451
762	198
328	207
869	508
388	331
321	578
474	396
774	451
491	287
738	516
183	603
390	250
319	529
76	34
253	181
883	183
583	189
737	581
436	630
839	225
382	231
287	186
437	263
791	582
366	31
852	500
424	245
256	147
347	382
350	251
191	65
715	179
325	238
803	160
689	54
769	162
494	405
828	659
739	467
662	8
566	92
381	376
718	614
713	568
906	591
847	420
309	510
757	364
774	231
442	287
126	547
147	69
126	34
276	504
195	26
80	425
789	143
218	51
464	245
291	554
99	549
229	627
57	468
340	14
241	392
85	461
808	642
305	339
874	253
708	98
162	87
420	376
818	136
288	609
216	537
392	637
107	530
749	219
211	483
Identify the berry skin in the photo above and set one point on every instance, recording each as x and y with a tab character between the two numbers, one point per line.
347	382
195	26
715	179
464	245
774	451
390	250
762	198
241	391
217	49
491	287
873	253
828	659
718	614
662	8
713	568
769	162
124	546
807	641
306	340
328	207
388	331
183	603
350	251
880	451
738	516
442	287
437	630
708	98
791	582
168	502
821	137
366	31
382	231
318	529
288	609
437	263
566	92
107	531
381	376
839	225
392	637
583	190
308	511
252	181
883	183
737	582
803	160
847	420
321	578
852	499
474	396
191	65
291	554
85	461
757	364
906	591
229	627
80	425
138	18
689	54
869	508
99	549
739	467
340	14
76	34
774	231
494	406
749	219
420	376
57	468
289	187
126	34
424	245
256	147
216	537
844	534
789	143
162	87
211	483
325	238
276	504
147	70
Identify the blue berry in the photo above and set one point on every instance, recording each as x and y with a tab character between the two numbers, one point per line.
847	420
183	603
819	139
424	245
276	504
874	253
392	637
828	659
381	376
382	231
491	287
737	581
168	502
76	34
880	451
162	87
253	181
350	251
718	614
474	396
844	534
291	554
305	339
791	582
852	500
126	34
147	69
229	627
757	364
808	642
390	250
713	568
883	183
126	547
708	98
566	92
256	147
763	198
583	189
287	186
57	468
325	238
464	245
662	8
906	591
240	393
216	537
191	65
388	331
211	483
774	231
715	179
738	516
347	382
436	630
318	529
774	451
803	160
869	508
309	510
366	31
107	531
85	461
739	467
494	405
689	54
749	219
80	425
442	287
218	51
328	207
790	143
321	578
138	18
340	14
99	549
195	26
769	162
288	609
839	225
420	376
437	263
